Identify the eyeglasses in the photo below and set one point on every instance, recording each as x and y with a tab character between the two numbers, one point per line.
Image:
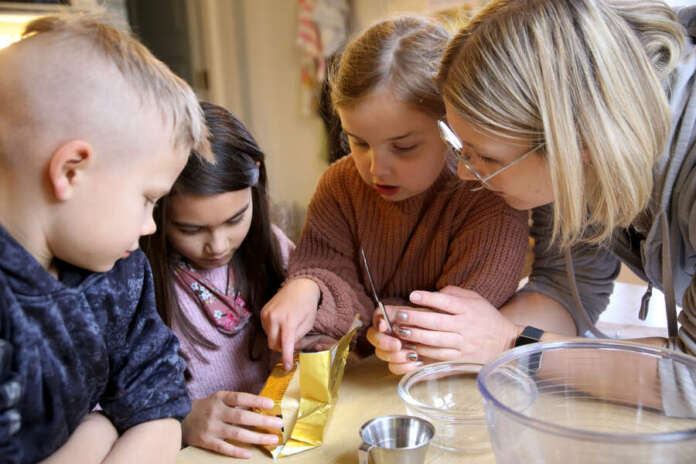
455	145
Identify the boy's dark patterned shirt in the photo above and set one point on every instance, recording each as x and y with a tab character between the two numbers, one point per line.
88	339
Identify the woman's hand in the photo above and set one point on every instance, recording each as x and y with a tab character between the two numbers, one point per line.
464	326
289	315
226	416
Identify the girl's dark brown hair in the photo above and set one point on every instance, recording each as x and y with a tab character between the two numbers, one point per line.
258	266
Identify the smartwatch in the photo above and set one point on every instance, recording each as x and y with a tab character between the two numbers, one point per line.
531	335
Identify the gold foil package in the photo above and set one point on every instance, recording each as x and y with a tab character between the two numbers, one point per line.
305	396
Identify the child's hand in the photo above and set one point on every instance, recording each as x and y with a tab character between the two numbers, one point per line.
389	348
225	416
290	315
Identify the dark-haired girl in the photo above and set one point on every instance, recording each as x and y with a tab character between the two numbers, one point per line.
217	259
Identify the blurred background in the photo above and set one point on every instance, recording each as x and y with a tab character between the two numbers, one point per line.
264	60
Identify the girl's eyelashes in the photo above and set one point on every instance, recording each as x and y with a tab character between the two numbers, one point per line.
403	149
396	148
195	230
235	220
189	231
359	143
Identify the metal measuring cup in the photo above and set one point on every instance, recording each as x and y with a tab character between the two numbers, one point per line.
395	440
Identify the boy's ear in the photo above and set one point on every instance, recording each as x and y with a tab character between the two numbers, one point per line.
67	167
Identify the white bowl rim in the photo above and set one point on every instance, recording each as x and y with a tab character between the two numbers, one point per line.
556	429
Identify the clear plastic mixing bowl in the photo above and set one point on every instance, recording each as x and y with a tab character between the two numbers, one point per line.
593	401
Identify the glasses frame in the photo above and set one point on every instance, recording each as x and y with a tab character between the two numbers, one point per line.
455	145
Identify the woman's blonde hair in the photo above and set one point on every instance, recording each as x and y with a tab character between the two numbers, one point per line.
582	77
402	54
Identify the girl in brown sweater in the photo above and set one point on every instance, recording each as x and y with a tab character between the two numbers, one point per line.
396	196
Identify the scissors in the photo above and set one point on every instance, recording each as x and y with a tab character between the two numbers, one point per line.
374	292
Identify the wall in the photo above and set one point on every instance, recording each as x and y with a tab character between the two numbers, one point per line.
253	69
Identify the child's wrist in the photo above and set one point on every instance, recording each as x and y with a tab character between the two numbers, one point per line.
308	287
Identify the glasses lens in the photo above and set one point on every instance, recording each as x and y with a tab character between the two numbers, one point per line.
455	146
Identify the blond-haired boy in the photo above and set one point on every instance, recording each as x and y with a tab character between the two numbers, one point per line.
93	130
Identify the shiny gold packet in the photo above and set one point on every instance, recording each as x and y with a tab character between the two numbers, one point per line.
304	397
283	387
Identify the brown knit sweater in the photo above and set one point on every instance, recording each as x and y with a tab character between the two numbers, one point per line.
447	235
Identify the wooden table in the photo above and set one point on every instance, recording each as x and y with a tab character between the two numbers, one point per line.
368	390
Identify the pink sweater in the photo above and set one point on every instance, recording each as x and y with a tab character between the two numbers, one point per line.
228	368
447	235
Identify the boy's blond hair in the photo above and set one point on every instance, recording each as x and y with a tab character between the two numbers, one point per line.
150	79
583	77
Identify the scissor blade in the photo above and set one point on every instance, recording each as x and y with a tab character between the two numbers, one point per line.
374	291
369	275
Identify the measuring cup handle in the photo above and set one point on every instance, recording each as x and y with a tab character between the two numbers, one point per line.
364	453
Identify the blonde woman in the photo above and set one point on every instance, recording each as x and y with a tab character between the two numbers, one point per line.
585	112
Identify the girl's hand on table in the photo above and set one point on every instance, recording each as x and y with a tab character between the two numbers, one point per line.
226	416
464	326
289	315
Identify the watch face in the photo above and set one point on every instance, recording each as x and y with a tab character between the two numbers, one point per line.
522	340
529	335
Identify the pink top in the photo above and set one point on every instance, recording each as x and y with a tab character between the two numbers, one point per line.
228	368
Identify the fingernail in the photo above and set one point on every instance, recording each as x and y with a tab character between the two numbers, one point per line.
410	346
278	423
412	356
415	296
272	439
287	366
404	332
419	364
402	316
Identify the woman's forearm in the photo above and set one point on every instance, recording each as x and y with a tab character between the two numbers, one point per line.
535	309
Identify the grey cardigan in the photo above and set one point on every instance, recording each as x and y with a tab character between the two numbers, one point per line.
672	208
673	203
